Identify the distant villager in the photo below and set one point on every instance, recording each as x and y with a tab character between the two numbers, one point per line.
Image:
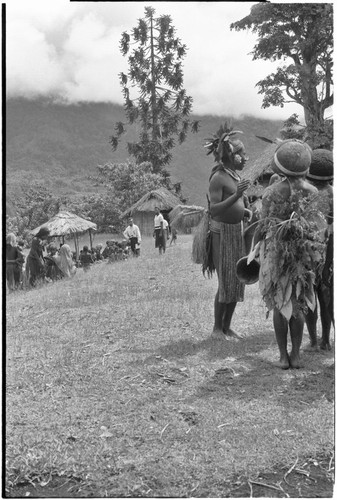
132	234
53	272
86	258
35	267
173	236
65	262
98	252
14	259
18	273
159	233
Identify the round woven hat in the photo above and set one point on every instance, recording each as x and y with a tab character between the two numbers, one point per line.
321	168
292	158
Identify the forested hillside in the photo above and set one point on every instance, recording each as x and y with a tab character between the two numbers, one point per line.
62	145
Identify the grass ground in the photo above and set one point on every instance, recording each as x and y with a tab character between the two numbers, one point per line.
115	387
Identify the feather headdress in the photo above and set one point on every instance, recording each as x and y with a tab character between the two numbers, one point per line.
221	139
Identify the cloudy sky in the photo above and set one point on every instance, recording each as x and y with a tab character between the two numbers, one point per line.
71	50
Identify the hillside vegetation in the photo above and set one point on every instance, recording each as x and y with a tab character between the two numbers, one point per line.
62	145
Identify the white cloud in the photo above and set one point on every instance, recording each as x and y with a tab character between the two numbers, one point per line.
32	65
72	49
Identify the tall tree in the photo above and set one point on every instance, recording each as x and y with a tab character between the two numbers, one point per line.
302	34
162	106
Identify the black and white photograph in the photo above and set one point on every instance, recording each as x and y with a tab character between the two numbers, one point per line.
168	290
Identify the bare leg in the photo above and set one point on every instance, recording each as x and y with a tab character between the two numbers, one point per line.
296	326
311	322
324	298
219	311
226	326
281	332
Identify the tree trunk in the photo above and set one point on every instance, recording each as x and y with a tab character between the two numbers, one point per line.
313	111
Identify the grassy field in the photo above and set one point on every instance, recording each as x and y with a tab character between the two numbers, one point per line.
115	387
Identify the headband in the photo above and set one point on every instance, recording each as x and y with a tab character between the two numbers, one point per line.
286	171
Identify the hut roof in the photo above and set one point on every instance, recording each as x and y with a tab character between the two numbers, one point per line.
261	165
161	198
184	217
66	223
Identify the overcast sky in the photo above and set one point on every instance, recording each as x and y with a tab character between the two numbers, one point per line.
71	49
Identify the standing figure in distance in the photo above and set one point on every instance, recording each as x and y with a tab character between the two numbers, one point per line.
158	232
227	210
14	259
173	236
35	264
132	233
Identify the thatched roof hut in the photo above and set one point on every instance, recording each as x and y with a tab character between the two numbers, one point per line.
185	217
65	223
143	211
259	171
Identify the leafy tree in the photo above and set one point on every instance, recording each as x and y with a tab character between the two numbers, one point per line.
303	34
162	106
36	206
292	129
103	209
129	181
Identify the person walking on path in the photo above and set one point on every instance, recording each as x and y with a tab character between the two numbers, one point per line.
132	234
159	233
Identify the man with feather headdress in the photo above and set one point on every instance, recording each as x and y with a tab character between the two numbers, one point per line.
227	209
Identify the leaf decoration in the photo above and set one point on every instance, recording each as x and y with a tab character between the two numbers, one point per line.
287	310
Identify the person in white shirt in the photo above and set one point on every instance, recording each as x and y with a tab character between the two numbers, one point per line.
159	232
132	234
166	229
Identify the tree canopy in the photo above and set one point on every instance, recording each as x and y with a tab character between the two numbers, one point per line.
162	106
300	35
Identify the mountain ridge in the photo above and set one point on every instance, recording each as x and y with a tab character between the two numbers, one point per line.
61	145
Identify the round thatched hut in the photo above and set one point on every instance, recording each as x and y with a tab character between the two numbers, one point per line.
65	223
143	212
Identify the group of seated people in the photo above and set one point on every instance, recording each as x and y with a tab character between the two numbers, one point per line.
48	261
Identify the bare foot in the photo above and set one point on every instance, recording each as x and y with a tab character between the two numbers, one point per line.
232	334
295	361
325	346
311	348
283	363
217	332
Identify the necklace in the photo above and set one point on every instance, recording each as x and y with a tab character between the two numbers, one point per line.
232	173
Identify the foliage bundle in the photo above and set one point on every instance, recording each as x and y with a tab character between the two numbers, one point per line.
291	254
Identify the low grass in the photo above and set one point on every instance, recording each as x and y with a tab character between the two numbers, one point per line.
115	387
